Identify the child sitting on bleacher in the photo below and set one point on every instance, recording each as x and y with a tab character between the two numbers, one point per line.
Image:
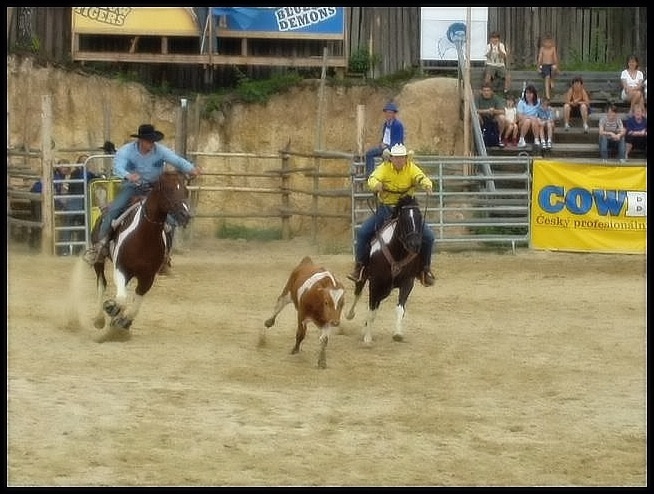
546	118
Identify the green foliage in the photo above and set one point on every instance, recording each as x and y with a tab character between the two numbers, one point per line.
245	233
499	230
260	91
361	60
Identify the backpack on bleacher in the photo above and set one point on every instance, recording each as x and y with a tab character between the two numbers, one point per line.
491	132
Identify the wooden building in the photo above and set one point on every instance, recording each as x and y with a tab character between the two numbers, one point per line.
593	37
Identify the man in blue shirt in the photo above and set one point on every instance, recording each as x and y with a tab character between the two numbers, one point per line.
138	163
392	134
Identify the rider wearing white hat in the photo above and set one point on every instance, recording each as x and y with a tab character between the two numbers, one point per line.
395	177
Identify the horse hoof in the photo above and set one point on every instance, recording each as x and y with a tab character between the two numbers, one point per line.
99	323
349	315
121	323
322	364
269	322
398	337
111	308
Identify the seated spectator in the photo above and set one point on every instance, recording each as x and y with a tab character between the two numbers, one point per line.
528	108
392	133
510	121
611	134
546	119
636	137
632	80
490	110
577	103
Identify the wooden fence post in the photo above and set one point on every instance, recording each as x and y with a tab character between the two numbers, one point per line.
47	159
286	201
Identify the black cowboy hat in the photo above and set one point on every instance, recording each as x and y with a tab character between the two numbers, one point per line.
108	147
147	132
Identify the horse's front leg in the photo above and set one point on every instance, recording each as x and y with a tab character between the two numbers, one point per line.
129	312
400	310
358	290
100	288
116	308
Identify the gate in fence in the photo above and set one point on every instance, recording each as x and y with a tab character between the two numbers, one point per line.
469	206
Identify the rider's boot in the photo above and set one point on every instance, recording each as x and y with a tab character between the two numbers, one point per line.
427	278
357	274
165	268
97	252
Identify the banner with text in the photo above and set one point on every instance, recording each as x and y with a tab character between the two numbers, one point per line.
589	208
146	21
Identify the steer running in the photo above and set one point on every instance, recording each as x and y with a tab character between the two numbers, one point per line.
318	297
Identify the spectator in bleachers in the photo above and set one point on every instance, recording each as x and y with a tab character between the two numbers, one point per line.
547	121
632	79
611	134
497	62
548	63
528	108
636	126
490	109
392	133
510	121
577	103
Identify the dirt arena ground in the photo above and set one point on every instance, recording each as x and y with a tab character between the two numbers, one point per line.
521	370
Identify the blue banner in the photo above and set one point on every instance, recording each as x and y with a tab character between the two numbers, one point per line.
313	20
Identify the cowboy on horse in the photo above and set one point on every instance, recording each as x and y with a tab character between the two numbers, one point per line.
393	178
140	164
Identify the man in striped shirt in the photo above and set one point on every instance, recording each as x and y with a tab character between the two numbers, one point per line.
611	134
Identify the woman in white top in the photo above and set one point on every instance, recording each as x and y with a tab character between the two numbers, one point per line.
632	83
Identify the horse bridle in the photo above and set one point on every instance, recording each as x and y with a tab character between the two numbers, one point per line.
396	266
147	189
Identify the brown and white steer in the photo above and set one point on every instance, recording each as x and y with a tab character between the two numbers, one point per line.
318	298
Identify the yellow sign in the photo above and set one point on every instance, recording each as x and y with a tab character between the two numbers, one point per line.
589	208
143	21
101	192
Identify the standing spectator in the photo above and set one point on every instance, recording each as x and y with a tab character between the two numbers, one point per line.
392	134
548	63
490	110
528	116
636	136
611	134
577	103
109	149
510	121
496	62
546	120
633	82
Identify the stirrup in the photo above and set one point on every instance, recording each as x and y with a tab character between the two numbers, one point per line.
357	274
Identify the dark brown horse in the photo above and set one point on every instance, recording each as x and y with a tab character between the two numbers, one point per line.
137	248
394	263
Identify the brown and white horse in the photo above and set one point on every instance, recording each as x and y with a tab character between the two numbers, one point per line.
138	248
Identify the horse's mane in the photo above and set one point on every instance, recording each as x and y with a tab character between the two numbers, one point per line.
404	201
